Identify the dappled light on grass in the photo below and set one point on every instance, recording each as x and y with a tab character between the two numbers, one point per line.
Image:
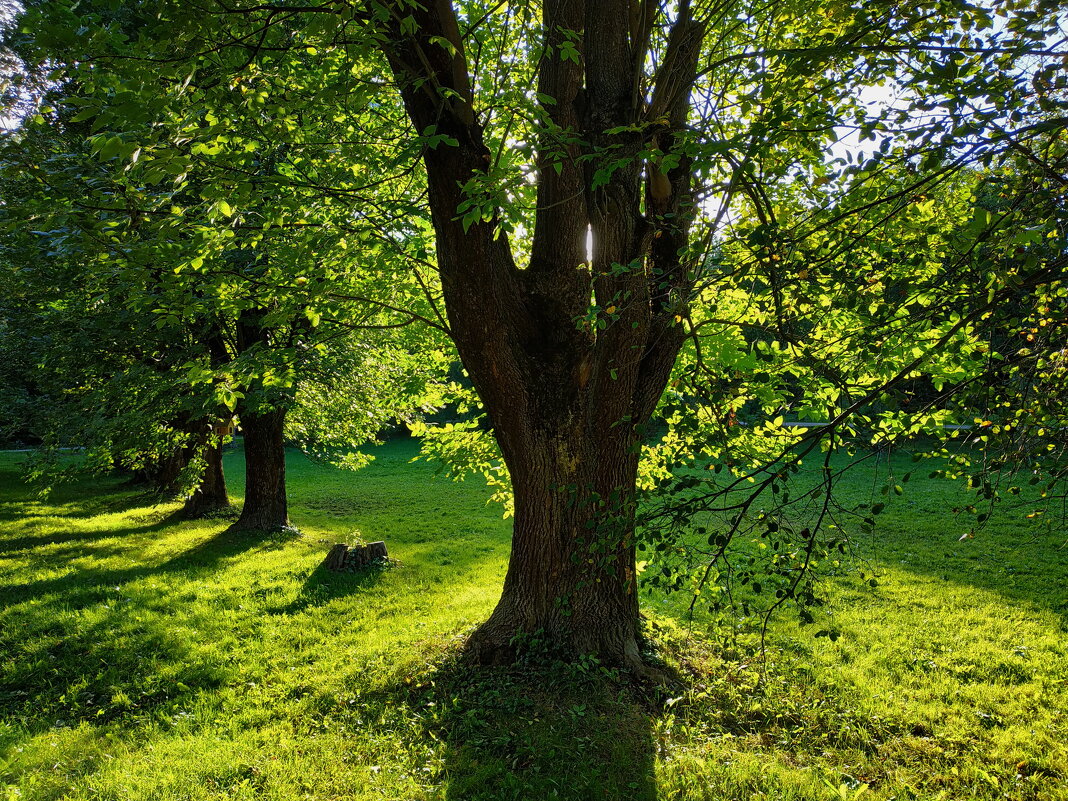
142	658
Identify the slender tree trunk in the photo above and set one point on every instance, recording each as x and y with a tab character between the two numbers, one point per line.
211	495
265	506
163	475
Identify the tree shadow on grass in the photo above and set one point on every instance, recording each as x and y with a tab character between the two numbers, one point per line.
83	587
72	501
128	657
83	539
546	731
1029	568
27	515
113	670
322	586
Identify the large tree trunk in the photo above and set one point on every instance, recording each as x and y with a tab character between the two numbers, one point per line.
567	400
265	507
210	496
571	577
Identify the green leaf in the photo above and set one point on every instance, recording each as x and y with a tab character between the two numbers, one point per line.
85	114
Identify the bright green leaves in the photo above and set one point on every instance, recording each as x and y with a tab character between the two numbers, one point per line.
227	397
108	147
432	139
480	205
569	52
444	44
85	114
980	221
467	448
221	189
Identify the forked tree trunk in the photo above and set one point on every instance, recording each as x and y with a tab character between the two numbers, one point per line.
567	399
265	507
211	495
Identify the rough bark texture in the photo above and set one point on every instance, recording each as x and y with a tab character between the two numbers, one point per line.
342	558
335	559
567	401
571	577
265	507
210	496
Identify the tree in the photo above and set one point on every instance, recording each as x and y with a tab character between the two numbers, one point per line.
147	328
567	402
619	149
645	126
93	372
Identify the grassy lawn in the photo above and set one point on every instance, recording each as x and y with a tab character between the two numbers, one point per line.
142	658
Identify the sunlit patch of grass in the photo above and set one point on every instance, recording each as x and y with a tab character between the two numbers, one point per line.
947	679
147	658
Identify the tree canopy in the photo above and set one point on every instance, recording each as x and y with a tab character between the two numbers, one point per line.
657	234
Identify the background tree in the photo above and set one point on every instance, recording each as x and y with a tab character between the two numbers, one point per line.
196	318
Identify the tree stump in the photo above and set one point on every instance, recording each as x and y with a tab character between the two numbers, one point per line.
376	550
343	559
335	560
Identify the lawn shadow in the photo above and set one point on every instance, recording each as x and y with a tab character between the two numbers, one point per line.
22	543
323	585
87	647
116	669
550	731
72	501
83	587
1029	568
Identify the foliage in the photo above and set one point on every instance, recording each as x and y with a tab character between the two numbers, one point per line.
150	262
787	276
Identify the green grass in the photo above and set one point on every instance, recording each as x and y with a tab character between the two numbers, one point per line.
142	658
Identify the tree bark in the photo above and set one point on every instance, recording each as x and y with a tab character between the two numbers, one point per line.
571	577
265	507
210	496
163	474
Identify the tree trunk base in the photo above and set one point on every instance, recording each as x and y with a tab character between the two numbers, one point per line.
490	646
269	519
198	509
265	508
271	526
500	641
